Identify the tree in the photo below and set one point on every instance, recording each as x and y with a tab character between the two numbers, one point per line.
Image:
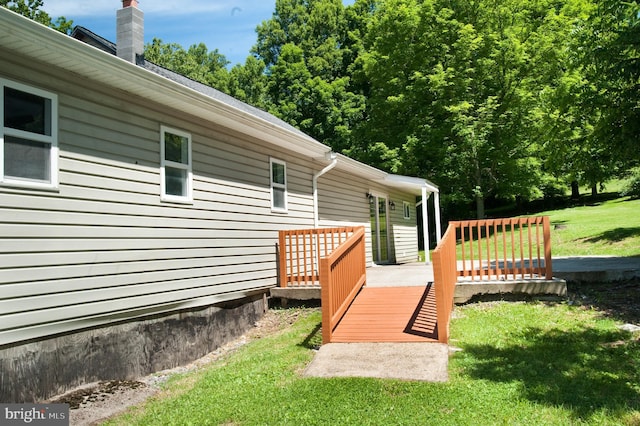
197	63
454	89
32	10
248	82
307	47
611	60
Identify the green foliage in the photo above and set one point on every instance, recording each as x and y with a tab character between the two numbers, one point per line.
248	82
197	62
308	49
632	187
455	85
32	9
611	59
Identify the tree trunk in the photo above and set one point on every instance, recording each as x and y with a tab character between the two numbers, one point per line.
575	190
479	207
594	190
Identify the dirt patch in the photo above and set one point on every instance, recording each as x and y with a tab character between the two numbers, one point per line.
94	403
619	300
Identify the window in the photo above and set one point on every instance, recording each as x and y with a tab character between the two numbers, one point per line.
407	210
176	178
278	185
28	136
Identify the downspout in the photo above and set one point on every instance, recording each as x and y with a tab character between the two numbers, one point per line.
334	160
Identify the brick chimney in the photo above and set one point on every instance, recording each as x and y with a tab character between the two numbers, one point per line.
129	31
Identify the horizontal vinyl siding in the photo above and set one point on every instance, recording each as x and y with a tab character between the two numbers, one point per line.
342	201
404	232
405	240
104	248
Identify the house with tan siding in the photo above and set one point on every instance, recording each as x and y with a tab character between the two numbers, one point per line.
140	210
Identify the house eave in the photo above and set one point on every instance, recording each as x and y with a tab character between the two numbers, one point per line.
411	184
19	34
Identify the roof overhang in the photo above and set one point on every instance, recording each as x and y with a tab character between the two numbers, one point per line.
410	184
33	40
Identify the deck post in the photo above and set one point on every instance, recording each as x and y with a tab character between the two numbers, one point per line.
325	299
546	232
282	253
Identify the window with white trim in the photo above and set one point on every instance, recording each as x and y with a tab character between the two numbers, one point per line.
28	136
175	152
278	185
406	207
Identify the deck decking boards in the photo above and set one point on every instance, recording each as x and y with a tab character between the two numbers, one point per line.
389	314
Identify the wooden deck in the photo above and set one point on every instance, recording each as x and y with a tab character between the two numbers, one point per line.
390	314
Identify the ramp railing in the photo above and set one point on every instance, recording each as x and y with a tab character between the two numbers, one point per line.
492	249
504	249
445	276
342	275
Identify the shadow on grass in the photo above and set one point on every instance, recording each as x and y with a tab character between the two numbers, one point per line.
314	339
615	235
585	370
619	299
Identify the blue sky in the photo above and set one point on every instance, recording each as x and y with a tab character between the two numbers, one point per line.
226	25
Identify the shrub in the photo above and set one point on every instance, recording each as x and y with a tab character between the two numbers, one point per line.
632	188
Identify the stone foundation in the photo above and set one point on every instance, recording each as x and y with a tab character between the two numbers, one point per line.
35	371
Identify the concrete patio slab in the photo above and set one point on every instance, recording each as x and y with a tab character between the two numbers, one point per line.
402	361
403	275
596	268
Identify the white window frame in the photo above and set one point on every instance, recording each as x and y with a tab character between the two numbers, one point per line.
406	210
52	139
188	198
278	185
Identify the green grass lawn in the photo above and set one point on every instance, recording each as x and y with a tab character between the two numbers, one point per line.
604	228
521	363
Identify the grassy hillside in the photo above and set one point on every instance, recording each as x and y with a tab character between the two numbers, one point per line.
604	228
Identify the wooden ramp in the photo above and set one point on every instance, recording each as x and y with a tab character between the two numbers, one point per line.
390	314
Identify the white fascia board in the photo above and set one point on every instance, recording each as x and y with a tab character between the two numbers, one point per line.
410	183
34	40
359	169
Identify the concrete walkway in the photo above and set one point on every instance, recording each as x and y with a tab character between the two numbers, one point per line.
596	268
429	361
402	361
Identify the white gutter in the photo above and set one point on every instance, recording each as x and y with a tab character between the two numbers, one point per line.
334	161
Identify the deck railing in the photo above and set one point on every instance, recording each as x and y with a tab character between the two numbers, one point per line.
300	252
504	249
493	249
342	274
445	277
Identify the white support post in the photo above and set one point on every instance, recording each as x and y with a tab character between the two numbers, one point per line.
425	225
436	207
